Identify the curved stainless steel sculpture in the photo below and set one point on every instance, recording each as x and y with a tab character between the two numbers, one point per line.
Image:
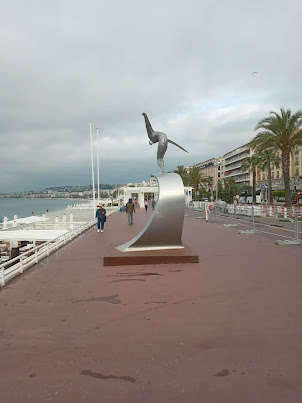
162	140
164	228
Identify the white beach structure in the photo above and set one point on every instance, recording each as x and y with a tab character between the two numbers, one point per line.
144	190
30	235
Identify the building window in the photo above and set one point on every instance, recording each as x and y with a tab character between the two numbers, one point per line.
273	175
277	174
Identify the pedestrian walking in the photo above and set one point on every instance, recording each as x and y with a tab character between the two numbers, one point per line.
130	208
101	216
146	205
153	204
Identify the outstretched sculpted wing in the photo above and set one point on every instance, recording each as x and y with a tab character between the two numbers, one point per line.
172	142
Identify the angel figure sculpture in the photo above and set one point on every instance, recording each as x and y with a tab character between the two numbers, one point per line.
162	140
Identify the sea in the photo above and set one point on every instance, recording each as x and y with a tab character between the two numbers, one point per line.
25	207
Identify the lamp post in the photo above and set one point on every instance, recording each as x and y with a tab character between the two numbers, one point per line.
217	163
98	163
92	171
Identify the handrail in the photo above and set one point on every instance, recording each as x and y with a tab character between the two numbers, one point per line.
17	265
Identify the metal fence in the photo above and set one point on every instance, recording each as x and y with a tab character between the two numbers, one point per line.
278	221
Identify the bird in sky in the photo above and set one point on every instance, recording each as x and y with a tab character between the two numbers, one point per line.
254	72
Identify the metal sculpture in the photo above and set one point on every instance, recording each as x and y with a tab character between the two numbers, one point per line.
162	140
164	228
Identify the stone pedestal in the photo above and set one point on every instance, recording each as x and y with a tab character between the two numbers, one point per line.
115	257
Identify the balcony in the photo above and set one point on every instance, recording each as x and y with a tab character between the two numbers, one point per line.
237	151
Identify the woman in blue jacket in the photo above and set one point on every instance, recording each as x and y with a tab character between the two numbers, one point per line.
101	216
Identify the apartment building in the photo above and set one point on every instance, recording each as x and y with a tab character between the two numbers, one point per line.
295	173
231	165
211	168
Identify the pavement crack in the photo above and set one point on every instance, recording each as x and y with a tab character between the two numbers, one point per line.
127	279
112	299
87	372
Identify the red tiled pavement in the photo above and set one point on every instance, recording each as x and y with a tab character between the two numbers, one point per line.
227	329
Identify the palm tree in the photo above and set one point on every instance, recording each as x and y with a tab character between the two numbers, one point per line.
208	182
195	179
280	131
251	164
267	157
246	189
230	190
183	173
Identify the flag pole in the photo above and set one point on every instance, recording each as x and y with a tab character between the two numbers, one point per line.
98	162
92	170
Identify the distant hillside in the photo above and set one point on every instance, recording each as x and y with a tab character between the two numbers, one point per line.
69	188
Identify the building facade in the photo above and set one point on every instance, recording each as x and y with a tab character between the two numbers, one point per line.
211	168
295	173
231	165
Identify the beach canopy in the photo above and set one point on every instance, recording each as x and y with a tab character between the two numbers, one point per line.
28	220
31	235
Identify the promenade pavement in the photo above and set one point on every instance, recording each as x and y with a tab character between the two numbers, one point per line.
227	329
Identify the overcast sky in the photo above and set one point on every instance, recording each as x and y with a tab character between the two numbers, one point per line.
188	64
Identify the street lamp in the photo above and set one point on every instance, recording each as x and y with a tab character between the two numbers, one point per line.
92	169
216	164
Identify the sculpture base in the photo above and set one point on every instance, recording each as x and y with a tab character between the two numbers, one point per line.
164	227
114	257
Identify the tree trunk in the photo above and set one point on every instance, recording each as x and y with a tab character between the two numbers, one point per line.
285	168
254	187
269	177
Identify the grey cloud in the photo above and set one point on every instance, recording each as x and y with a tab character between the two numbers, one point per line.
188	65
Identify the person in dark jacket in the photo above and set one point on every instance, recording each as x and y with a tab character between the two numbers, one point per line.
146	205
101	216
130	208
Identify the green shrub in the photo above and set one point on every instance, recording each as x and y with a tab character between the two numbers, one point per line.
279	195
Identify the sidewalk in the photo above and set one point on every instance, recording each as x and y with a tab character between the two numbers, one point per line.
227	329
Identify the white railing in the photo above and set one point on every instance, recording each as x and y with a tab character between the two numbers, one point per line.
19	264
68	225
41	223
91	206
